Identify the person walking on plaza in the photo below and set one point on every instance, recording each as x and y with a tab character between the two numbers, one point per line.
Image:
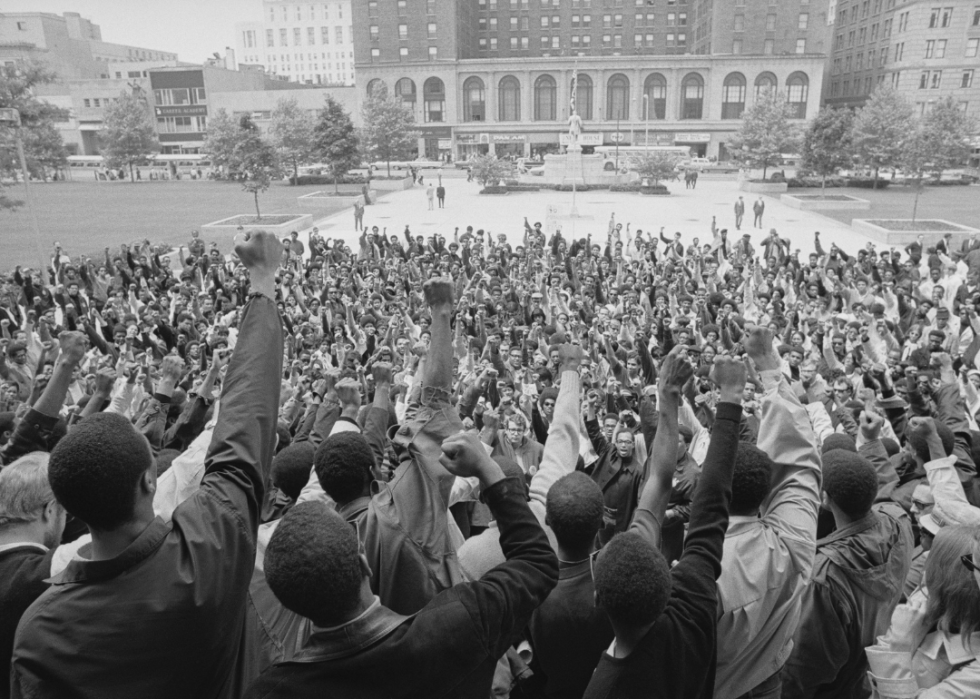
758	208
430	192
739	213
441	196
358	215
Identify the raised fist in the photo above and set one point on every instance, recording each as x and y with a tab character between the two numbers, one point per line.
438	291
382	372
759	347
73	346
260	252
730	375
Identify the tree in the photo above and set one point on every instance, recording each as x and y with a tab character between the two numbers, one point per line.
488	170
949	132
335	142
254	161
880	129
292	133
827	143
765	134
388	132
220	140
655	166
42	142
128	136
916	158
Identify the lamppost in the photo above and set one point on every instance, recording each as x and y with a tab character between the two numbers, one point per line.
632	112
619	136
646	121
11	117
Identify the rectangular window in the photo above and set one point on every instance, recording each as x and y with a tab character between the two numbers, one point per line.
874	32
524	42
883	57
403	52
493	24
586	41
682	19
737	46
670	40
618	21
87	102
430	7
887	32
433	53
524	23
607	21
339	34
325	34
739	23
513	43
493	40
311	36
270	37
555	43
575	21
297	36
966	80
575	41
283	37
976	17
941	48
638	20
375	55
803	21
555	21
930	48
937	80
587	21
618	41
403	32
375	32
483	43
972	47
513	24
402	8
767	47
431	30
947	16
607	40
545	21
801	45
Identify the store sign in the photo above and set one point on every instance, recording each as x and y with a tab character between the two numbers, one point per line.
445	143
186	110
692	138
466	138
617	137
509	138
585	139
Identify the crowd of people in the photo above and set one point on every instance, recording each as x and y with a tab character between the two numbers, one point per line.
633	465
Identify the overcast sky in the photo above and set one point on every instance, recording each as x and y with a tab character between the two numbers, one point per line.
193	28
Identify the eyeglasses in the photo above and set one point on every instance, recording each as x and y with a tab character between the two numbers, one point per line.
967	560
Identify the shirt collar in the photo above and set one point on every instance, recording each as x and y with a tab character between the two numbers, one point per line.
81	570
23	545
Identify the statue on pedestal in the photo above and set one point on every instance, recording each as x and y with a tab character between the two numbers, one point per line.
574	130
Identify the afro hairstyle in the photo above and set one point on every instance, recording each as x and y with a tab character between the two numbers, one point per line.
95	468
921	448
850	482
343	464
838	440
291	468
312	564
632	580
751	479
574	510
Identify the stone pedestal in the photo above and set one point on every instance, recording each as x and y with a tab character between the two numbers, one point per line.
574	168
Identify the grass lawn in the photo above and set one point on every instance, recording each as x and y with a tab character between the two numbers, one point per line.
957	204
86	217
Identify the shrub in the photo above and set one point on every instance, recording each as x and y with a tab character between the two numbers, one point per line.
494	190
866	183
658	189
631	187
327	179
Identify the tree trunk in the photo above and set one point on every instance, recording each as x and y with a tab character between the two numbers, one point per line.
132	177
258	214
765	168
875	185
823	186
295	171
915	203
336	184
388	162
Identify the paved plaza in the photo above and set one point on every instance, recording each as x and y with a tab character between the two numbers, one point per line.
86	217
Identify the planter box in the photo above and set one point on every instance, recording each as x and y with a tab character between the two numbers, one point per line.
279	224
391	185
655	191
903	231
815	202
762	187
325	200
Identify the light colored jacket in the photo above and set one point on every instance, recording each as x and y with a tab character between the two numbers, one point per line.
768	559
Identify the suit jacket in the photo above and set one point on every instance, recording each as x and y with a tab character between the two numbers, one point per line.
620	483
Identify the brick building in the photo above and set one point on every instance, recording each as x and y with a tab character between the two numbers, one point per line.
926	50
767	27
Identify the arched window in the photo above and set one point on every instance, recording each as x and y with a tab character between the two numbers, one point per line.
733	96
618	98
545	98
797	89
655	91
509	99
474	100
692	97
405	89
764	83
434	97
583	96
375	84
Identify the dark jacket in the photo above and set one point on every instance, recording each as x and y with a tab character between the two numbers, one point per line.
676	658
24	569
858	575
166	618
448	649
620	483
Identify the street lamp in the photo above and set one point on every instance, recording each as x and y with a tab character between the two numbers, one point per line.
11	117
619	136
632	112
646	121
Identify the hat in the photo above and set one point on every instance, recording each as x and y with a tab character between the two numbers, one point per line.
892	402
949	513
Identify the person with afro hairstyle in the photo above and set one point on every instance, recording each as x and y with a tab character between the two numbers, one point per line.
359	647
291	469
664	618
858	577
157	609
771	538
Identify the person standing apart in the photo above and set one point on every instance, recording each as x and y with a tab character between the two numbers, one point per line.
739	213
758	208
358	215
430	195
441	195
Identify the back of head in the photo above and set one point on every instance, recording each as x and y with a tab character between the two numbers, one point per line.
95	468
850	482
751	479
954	598
920	447
574	510
291	468
838	440
632	580
24	489
343	464
312	564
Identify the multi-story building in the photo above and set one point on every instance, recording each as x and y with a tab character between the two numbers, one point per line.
69	44
307	42
925	50
495	75
767	27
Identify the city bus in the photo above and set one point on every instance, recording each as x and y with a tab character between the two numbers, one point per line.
185	164
626	153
